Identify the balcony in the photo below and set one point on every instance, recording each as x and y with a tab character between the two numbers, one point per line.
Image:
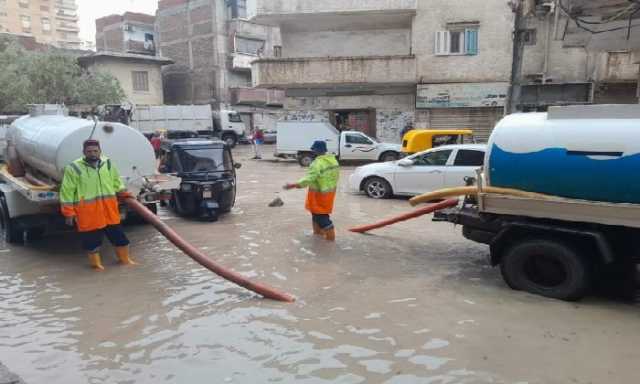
67	28
271	10
141	47
257	96
334	71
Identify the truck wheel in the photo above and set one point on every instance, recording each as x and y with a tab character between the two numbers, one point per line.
546	267
389	156
10	232
377	188
230	139
305	159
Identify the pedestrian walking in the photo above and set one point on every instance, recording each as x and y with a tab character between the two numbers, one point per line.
258	140
89	196
322	182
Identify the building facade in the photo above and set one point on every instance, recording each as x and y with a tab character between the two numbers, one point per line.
130	33
53	22
382	66
575	52
140	76
213	45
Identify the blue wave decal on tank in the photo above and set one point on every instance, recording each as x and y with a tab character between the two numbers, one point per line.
559	172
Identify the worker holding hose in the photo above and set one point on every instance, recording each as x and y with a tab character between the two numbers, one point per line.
89	196
322	181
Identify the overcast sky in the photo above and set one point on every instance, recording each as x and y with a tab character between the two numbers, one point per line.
90	10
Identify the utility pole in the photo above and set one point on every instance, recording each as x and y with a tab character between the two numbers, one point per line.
518	52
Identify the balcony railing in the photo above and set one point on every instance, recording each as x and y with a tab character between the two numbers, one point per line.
332	71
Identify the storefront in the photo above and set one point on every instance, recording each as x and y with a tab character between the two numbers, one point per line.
476	106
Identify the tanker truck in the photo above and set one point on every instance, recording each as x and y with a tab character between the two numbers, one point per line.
39	147
578	224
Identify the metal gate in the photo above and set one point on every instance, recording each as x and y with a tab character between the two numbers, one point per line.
480	120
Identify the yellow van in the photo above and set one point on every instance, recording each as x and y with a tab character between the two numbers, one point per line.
419	140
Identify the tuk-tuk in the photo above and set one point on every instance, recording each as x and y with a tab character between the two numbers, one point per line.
208	175
419	140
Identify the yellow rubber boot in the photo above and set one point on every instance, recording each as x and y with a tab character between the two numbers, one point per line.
96	261
123	255
330	234
316	229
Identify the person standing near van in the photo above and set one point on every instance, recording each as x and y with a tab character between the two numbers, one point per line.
258	140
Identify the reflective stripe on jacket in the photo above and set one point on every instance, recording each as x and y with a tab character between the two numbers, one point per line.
322	180
89	194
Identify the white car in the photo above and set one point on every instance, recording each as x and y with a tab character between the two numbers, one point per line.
437	168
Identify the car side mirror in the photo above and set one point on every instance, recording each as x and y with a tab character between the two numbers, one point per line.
237	165
405	162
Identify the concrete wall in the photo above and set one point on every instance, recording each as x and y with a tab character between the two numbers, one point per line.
283	7
122	71
493	62
393	112
347	43
335	70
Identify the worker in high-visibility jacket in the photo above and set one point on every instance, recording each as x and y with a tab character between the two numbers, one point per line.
89	198
322	181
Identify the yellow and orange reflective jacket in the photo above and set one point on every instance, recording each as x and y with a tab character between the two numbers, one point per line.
322	180
89	194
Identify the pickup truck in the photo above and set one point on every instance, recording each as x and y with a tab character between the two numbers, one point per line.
295	139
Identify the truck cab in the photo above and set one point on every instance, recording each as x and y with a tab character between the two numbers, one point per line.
229	126
208	175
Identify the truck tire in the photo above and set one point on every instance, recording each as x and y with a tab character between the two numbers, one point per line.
10	233
305	159
377	188
546	267
389	156
230	139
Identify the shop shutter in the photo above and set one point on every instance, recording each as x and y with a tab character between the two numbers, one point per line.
480	120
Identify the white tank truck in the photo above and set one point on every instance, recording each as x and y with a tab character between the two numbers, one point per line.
39	147
578	223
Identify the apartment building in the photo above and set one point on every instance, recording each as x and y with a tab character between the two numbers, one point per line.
53	22
130	33
213	45
576	52
379	66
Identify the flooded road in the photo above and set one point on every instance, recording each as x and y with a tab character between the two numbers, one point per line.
413	303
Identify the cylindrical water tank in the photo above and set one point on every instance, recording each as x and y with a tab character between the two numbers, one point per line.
49	143
584	152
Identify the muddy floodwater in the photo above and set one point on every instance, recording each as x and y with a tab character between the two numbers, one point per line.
413	303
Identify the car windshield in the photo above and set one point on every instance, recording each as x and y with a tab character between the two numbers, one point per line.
204	160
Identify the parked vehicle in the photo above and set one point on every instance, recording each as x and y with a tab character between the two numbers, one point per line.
437	168
42	144
294	139
208	175
586	230
419	140
149	119
229	127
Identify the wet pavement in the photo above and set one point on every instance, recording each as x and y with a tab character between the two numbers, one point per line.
413	303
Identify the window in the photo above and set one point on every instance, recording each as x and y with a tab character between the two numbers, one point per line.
23	3
46	24
44	8
463	41
277	51
358	139
140	81
26	23
528	36
235	118
249	46
469	158
433	158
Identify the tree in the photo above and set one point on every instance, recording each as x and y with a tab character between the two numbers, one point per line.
51	78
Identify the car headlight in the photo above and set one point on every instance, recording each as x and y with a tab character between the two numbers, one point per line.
186	187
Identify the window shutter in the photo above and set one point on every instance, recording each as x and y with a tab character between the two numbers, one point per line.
471	41
442	43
